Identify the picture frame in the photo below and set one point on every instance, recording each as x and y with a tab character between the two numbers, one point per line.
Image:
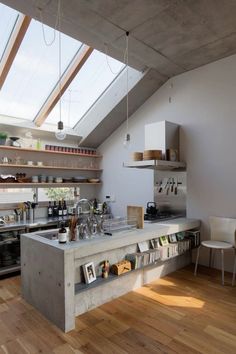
163	240
89	272
172	238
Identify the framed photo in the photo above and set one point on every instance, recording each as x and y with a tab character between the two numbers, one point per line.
164	240
89	272
172	238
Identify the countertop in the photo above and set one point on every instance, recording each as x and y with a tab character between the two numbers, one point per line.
103	243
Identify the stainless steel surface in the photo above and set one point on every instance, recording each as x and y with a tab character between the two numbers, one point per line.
28	224
161	165
9	269
50	235
170	191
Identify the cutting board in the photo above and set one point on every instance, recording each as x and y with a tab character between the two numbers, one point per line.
136	212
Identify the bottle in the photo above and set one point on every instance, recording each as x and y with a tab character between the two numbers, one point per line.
62	233
38	144
60	211
64	209
55	209
50	211
95	205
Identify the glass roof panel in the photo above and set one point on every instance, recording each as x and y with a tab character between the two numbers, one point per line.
34	72
92	80
8	18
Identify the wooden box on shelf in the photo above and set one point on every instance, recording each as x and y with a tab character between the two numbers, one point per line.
121	267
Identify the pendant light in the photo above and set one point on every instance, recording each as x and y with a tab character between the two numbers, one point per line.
127	135
60	133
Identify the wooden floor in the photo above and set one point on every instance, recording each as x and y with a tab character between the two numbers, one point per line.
176	314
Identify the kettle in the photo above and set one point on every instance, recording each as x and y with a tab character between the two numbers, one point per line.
151	208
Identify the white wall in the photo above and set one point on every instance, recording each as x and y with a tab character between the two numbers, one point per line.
204	104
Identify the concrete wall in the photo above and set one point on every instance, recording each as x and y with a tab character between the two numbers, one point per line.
203	102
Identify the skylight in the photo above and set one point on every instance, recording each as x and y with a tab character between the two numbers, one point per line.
89	84
8	19
34	72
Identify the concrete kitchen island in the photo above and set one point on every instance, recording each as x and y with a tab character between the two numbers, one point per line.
52	278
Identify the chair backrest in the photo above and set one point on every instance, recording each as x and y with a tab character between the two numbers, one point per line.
223	229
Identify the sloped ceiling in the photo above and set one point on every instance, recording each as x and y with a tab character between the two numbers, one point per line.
168	36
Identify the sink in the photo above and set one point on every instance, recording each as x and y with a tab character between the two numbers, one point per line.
50	235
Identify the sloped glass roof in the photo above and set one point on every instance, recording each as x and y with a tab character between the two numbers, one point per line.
8	19
34	72
92	80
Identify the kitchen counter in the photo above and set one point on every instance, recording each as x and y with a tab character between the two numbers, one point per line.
102	243
51	272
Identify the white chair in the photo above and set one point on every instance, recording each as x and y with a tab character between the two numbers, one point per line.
222	238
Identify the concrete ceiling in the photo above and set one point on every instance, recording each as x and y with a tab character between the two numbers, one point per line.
168	36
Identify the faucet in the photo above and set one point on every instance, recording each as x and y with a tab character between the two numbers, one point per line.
81	202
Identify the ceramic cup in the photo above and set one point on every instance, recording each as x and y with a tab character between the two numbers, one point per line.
30	163
35	179
39	163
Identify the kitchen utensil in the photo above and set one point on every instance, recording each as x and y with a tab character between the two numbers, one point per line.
172	185
151	208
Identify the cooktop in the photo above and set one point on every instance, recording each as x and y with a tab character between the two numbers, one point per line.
160	217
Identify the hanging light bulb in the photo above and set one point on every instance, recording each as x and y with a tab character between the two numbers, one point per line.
60	134
127	139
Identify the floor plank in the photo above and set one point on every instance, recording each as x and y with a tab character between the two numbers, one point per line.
179	313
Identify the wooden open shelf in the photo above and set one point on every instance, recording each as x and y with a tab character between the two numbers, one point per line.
51	167
12	148
45	185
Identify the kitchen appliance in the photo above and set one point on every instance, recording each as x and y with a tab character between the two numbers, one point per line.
160	216
151	208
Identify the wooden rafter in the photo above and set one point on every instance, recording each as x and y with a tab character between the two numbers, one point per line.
66	79
13	46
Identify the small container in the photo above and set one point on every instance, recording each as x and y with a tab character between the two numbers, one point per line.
35	179
50	179
42	178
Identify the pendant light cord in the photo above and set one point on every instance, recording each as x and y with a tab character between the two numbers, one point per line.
40	10
59	48
127	81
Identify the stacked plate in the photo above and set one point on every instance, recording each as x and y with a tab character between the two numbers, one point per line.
80	179
67	180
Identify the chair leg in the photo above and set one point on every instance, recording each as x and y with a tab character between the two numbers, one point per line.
213	258
234	270
222	265
210	258
196	264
